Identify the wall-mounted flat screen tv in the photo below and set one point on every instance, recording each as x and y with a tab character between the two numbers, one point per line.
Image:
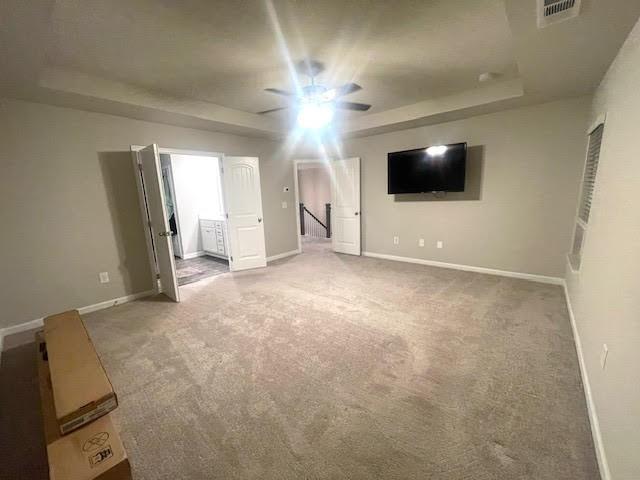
439	168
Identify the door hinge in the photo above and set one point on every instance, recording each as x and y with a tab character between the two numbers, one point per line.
231	257
226	215
140	167
157	276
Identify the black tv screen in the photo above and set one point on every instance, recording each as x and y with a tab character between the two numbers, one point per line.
439	168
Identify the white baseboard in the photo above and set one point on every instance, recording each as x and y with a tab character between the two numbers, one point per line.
283	255
115	301
189	256
591	407
38	322
23	327
469	268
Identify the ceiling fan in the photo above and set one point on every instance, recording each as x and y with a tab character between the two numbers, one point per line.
315	102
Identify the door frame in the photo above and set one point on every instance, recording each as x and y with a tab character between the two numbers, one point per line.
296	191
143	202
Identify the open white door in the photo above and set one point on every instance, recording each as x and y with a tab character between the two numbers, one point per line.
345	206
243	203
160	230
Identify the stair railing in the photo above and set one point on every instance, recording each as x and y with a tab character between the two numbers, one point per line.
311	226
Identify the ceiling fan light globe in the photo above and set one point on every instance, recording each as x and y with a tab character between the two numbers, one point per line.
315	115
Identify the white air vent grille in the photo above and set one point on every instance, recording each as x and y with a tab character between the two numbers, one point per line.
551	7
554	11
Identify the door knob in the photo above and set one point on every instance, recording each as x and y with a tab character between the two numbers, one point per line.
357	213
165	234
259	219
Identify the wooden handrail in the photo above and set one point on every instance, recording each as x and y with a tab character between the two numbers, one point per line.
314	222
314	217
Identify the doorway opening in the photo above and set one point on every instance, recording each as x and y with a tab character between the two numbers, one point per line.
199	206
313	203
339	228
193	200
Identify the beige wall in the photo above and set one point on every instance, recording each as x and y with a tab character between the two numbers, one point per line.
523	173
605	293
69	206
314	188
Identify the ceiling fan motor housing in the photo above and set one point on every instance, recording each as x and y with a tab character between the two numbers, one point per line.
311	91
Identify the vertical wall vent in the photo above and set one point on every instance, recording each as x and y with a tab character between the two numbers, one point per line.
554	11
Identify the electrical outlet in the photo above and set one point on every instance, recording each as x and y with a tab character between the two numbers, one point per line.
603	355
396	240
284	204
104	277
421	242
439	244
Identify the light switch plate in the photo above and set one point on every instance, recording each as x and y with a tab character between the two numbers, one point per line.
421	242
104	277
284	204
439	244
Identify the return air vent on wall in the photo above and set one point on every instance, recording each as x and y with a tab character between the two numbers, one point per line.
554	11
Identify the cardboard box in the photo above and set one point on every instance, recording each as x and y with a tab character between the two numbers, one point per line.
82	391
93	452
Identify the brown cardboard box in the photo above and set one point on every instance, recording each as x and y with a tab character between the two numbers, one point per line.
82	391
93	452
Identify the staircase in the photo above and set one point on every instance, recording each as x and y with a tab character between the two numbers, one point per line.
311	226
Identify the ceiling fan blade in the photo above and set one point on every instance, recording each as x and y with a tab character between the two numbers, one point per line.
346	89
272	110
277	91
361	107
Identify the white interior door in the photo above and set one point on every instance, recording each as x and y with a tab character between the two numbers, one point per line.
243	204
160	231
345	206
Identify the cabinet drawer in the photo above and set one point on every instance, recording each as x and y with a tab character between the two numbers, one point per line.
208	223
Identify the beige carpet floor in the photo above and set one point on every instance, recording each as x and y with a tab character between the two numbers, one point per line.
326	366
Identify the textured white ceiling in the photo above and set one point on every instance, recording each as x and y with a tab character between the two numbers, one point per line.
227	52
206	63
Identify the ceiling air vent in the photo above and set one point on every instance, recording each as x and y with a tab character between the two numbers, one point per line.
554	11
